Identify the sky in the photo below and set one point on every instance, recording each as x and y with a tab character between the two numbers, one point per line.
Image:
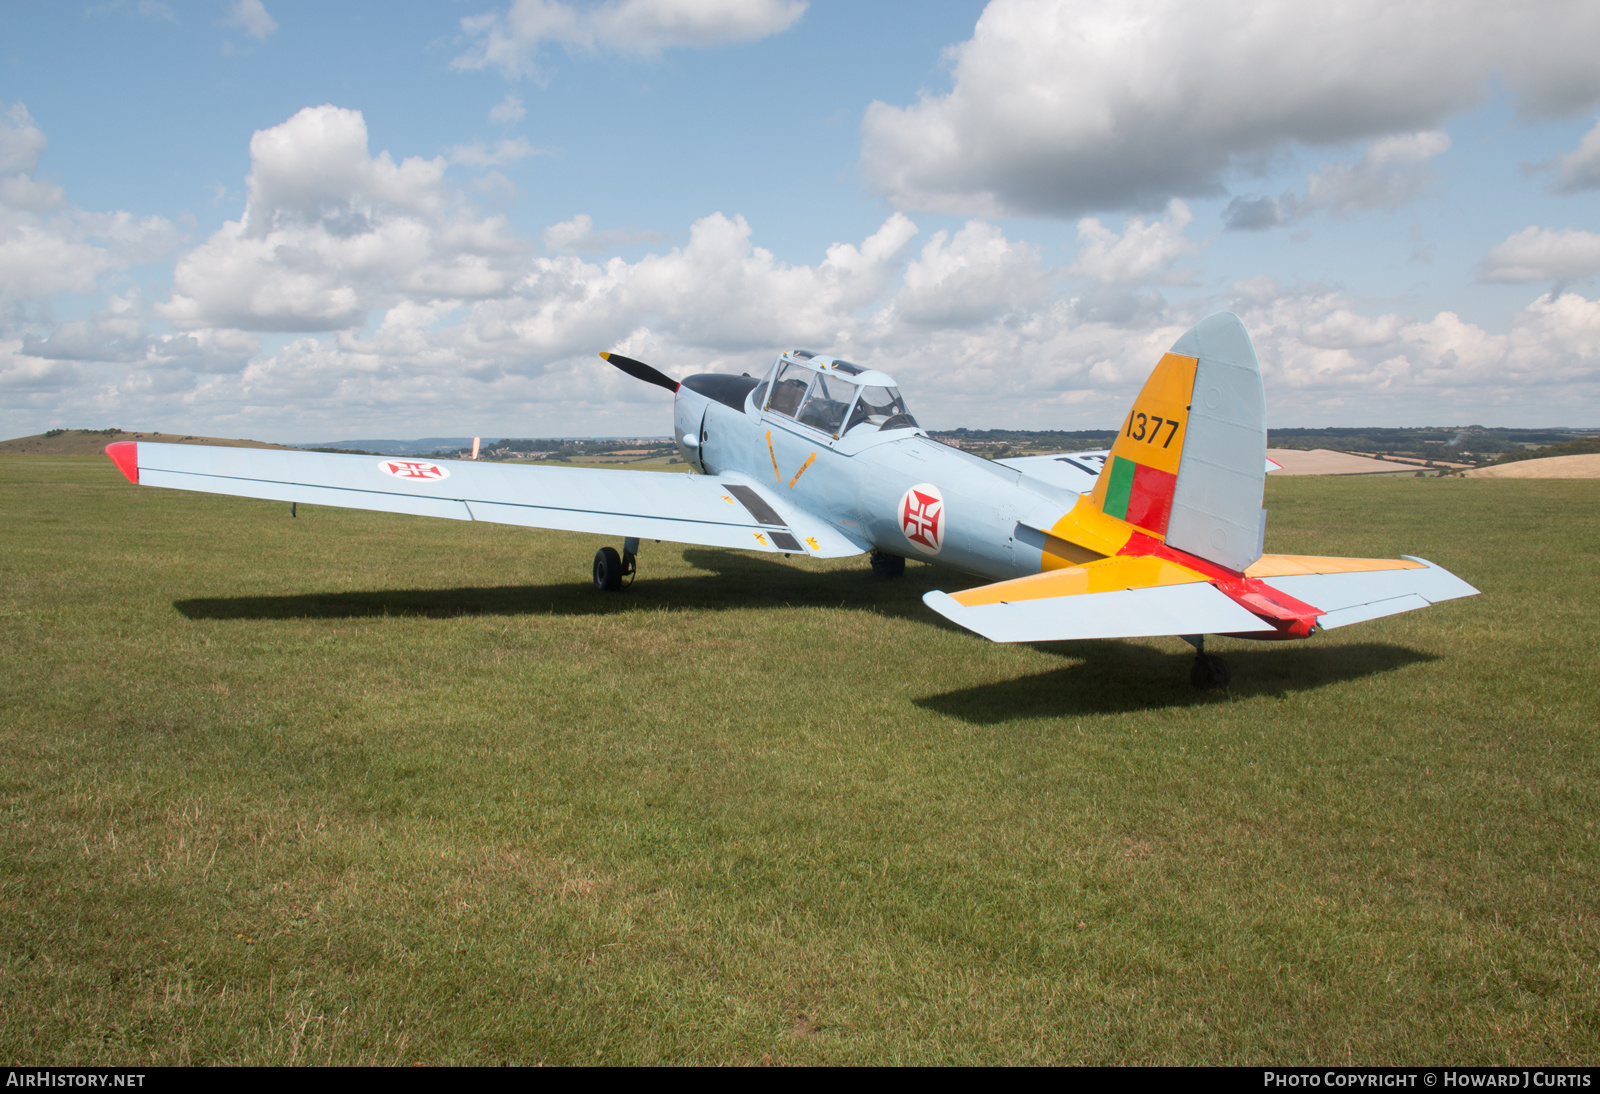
312	222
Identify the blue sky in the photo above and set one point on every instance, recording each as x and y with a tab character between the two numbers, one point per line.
303	222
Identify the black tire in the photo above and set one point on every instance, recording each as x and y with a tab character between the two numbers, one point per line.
607	569
1209	672
886	565
1220	676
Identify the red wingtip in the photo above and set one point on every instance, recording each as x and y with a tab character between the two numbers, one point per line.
125	454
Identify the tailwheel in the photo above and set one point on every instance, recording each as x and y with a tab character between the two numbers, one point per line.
887	565
1209	671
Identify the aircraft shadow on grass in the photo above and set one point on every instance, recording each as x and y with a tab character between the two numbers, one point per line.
1100	677
733	581
1122	677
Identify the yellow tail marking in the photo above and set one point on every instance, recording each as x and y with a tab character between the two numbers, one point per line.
1106	576
1084	535
811	459
1152	434
775	472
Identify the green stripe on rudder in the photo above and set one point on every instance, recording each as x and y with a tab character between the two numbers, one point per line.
1119	487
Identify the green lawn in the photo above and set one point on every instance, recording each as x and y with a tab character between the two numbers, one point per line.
364	788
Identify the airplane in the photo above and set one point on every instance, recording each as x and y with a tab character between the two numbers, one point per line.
1162	534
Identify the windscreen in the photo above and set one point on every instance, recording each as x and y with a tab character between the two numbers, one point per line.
882	408
789	389
825	407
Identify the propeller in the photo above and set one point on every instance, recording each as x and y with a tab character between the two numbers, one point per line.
641	371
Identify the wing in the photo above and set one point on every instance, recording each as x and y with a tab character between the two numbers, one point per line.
715	511
1137	596
1074	471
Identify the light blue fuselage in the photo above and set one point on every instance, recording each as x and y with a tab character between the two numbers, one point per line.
992	514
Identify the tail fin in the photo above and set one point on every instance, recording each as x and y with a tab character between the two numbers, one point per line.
1190	462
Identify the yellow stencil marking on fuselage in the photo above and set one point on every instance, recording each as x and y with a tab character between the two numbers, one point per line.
775	472
1295	565
811	459
813	543
1152	433
761	539
1106	576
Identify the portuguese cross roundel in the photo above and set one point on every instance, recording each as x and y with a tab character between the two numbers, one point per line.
922	517
416	470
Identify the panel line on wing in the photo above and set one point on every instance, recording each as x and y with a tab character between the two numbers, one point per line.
354	490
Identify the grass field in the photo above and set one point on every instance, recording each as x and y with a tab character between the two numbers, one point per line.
361	788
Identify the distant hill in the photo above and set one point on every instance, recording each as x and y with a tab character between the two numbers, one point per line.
92	442
1584	446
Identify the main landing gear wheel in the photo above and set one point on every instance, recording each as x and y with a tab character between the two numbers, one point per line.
887	565
1209	671
610	568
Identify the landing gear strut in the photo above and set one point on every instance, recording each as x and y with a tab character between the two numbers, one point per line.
887	565
1208	671
610	568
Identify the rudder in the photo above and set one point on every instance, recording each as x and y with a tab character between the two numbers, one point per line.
1189	464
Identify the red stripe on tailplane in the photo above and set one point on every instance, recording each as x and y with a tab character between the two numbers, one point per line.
125	454
1287	617
1150	500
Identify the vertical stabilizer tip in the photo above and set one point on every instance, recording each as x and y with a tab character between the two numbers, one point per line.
125	454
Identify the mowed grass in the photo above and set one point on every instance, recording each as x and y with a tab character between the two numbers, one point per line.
362	788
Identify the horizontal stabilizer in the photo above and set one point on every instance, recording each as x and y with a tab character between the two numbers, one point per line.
1355	597
1194	608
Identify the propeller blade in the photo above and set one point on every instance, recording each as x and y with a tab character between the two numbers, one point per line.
641	371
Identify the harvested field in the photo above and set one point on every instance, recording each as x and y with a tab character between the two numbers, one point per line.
1323	461
1550	467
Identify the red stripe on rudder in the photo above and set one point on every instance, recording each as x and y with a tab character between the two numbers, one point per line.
1150	499
125	454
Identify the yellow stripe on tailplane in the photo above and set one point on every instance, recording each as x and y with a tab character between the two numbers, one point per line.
1106	576
1297	565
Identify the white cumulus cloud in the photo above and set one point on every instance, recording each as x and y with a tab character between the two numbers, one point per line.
1144	252
1061	107
1580	169
251	16
48	246
508	110
1541	254
509	40
331	232
975	276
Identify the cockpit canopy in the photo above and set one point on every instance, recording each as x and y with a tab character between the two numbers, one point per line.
832	395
